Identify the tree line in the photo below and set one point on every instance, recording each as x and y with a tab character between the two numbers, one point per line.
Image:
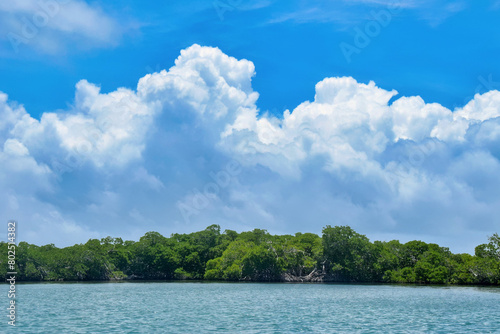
339	255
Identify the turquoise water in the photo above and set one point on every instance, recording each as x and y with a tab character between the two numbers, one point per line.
252	308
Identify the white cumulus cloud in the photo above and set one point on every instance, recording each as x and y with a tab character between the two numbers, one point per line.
127	162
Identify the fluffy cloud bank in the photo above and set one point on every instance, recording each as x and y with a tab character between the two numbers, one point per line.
188	148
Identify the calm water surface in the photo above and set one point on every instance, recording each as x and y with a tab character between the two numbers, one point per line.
252	308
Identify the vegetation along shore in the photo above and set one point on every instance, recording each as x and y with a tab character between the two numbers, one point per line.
339	255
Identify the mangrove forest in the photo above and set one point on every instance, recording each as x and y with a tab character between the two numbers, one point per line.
339	255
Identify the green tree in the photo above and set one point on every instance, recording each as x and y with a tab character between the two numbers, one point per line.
349	256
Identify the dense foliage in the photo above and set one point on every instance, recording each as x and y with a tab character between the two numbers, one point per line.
340	255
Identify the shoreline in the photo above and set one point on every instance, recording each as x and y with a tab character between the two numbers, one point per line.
257	282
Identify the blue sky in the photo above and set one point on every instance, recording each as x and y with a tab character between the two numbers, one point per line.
327	161
418	53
